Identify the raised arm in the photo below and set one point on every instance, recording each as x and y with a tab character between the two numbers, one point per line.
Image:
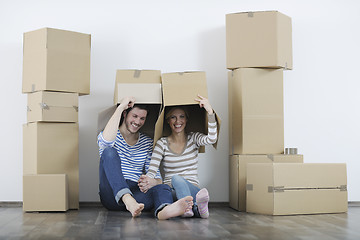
111	128
211	137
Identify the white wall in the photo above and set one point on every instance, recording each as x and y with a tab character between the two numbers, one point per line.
321	93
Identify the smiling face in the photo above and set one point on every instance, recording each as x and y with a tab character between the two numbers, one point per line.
177	120
135	119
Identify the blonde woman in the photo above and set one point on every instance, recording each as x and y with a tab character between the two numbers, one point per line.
179	155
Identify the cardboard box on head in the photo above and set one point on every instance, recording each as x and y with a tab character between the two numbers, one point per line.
56	60
258	39
145	87
181	89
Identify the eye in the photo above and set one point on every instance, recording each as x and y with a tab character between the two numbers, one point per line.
182	116
172	117
143	118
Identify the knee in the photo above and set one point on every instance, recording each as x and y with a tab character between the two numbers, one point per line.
162	187
109	152
177	179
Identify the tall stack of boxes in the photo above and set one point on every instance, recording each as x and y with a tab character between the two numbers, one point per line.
56	70
259	48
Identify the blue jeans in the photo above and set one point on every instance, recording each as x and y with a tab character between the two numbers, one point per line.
113	186
183	188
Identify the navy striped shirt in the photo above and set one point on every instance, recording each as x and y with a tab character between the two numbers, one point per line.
135	160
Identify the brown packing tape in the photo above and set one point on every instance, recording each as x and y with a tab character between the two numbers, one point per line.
137	73
275	189
44	106
343	188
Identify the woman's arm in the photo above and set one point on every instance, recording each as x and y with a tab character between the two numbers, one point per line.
148	181
211	137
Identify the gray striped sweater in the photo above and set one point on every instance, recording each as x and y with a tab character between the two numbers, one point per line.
184	164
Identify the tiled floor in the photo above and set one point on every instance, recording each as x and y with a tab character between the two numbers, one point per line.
224	223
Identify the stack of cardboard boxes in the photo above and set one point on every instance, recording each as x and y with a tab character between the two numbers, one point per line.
160	91
259	48
56	70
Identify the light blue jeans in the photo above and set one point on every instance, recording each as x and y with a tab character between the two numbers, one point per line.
183	188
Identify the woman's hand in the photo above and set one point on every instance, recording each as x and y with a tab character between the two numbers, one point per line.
146	182
204	102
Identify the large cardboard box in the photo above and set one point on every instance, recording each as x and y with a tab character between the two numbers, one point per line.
53	148
45	192
258	39
256	115
181	89
125	79
145	86
56	60
237	167
52	107
287	189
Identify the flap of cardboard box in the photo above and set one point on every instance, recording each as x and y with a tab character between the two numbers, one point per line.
135	76
143	92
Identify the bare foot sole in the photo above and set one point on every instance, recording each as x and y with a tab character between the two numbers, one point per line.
135	209
176	209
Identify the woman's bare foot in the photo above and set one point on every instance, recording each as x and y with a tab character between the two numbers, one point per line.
132	205
176	209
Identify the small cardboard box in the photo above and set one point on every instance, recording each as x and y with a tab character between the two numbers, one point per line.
298	188
56	60
256	118
53	148
238	165
46	106
145	86
181	89
125	79
45	192
258	39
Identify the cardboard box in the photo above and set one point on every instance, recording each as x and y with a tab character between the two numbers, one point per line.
237	167
288	189
145	86
181	89
133	77
52	107
56	60
256	115
258	39
53	148
45	192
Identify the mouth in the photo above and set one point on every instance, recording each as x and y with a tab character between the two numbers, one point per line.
178	126
135	125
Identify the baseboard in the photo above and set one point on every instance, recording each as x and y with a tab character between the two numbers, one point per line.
98	204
